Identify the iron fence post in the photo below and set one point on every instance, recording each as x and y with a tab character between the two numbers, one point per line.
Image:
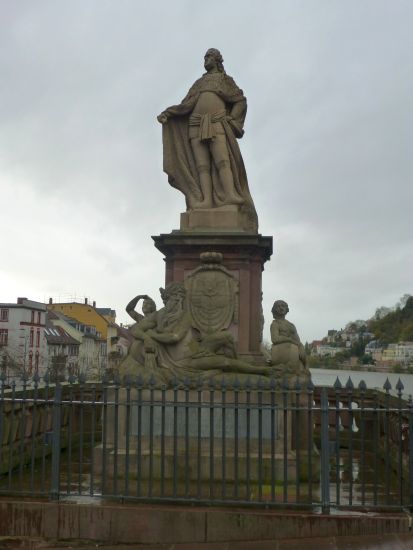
325	454
57	410
410	454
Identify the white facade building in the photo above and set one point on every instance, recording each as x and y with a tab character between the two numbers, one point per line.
23	348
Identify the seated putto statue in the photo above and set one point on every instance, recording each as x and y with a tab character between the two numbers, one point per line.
200	149
287	351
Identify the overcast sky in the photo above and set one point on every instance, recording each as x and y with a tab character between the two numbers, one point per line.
328	146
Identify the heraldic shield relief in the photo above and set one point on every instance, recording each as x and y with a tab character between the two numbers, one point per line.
212	295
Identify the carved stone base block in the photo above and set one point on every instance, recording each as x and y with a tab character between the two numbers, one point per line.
244	256
184	439
223	218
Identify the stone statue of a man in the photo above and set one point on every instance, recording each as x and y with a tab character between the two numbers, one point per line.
201	153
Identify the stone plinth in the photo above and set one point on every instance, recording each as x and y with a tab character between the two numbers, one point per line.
223	218
244	256
184	437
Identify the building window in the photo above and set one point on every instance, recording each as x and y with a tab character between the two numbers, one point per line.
73	350
4	314
38	339
32	319
31	338
4	336
36	362
39	317
30	362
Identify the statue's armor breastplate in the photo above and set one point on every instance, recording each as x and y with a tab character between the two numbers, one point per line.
209	102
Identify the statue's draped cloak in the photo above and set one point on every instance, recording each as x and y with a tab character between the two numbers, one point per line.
178	158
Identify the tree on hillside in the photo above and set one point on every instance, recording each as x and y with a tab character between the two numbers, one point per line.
396	326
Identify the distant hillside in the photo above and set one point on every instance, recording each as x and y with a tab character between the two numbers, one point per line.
396	326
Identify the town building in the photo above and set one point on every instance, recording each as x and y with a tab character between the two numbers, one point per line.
23	346
63	351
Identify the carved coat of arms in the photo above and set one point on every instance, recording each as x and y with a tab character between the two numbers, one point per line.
212	295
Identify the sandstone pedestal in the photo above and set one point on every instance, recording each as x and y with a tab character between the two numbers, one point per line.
179	441
244	255
223	218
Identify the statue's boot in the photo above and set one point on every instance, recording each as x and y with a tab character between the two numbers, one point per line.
225	175
206	188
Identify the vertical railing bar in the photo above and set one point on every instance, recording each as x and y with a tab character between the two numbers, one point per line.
46	411
400	448
175	440
186	439
375	445
410	455
11	440
248	442
363	449
387	446
199	448
127	437
115	441
81	436
337	446
22	430
69	442
350	445
272	443
223	445
33	436
325	459
139	442
297	445
92	439
310	438
56	431
236	450
163	399
2	414
104	435
151	420
211	442
285	443
259	443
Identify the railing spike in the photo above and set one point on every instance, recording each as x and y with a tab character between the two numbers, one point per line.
127	380
387	385
285	384
273	383
349	384
362	385
337	384
399	386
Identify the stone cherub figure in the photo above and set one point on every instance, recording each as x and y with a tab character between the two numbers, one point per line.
148	307
287	349
158	333
201	153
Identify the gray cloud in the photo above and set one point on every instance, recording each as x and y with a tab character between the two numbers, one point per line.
327	145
